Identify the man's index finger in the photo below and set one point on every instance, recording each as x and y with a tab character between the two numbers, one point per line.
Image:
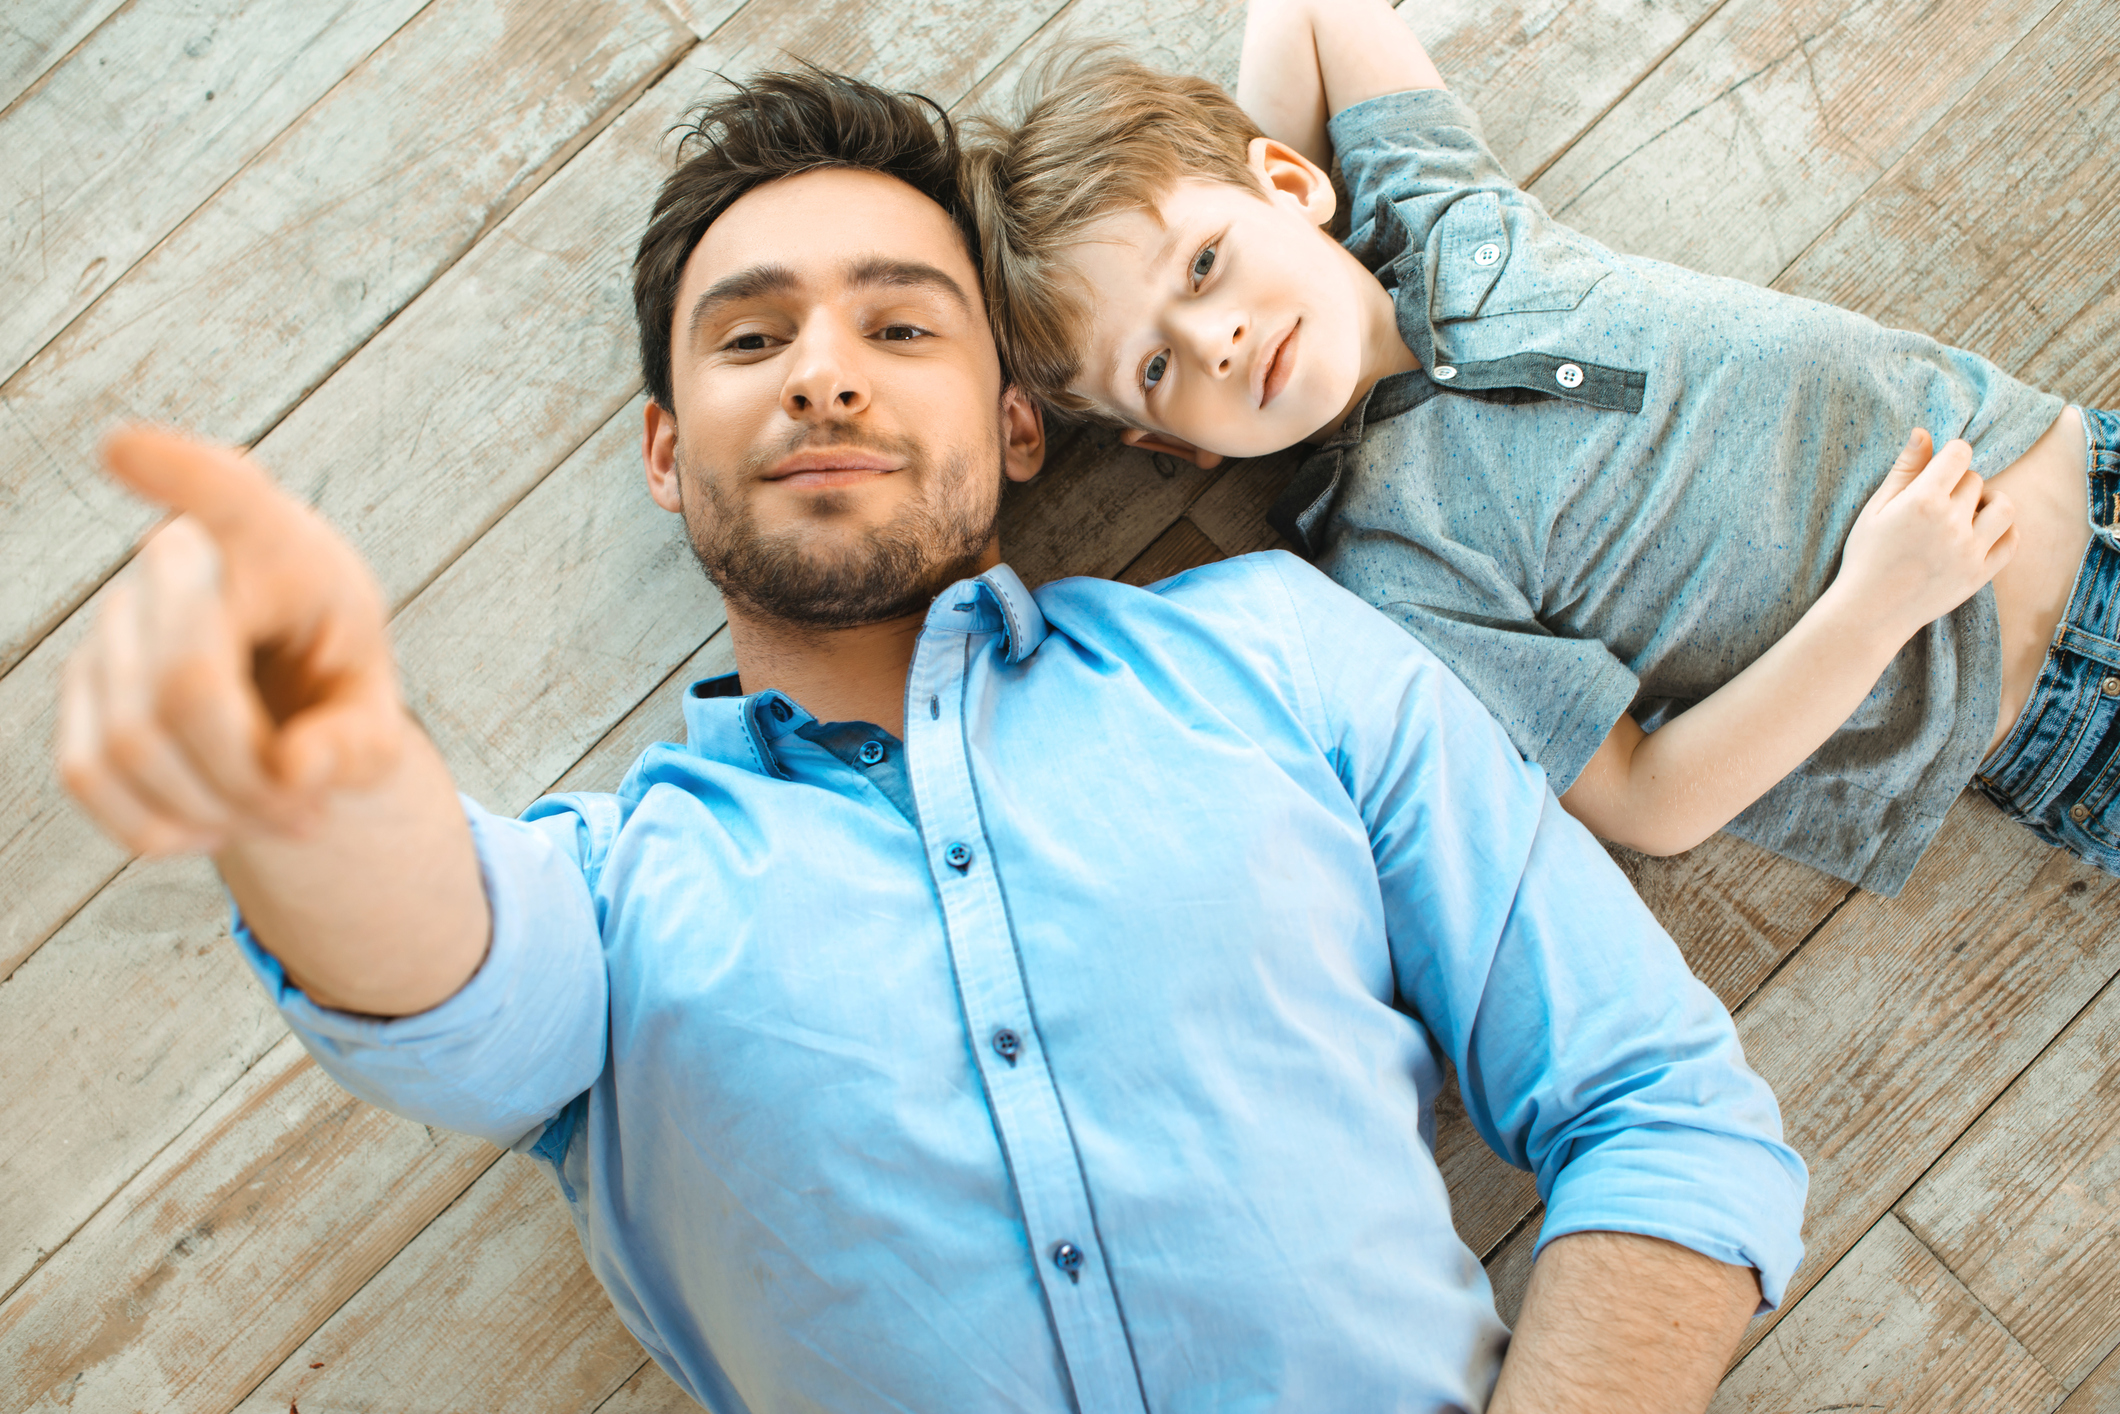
226	491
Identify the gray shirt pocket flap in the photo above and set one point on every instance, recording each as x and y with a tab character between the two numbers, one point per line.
1471	250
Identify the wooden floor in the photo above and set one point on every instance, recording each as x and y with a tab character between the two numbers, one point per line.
386	241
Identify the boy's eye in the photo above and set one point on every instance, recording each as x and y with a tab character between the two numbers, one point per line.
900	333
1153	373
1202	263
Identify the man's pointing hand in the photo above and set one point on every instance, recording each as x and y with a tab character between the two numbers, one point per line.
239	670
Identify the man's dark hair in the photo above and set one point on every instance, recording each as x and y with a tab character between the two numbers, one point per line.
779	125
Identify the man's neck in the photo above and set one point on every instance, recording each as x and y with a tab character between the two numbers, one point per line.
837	675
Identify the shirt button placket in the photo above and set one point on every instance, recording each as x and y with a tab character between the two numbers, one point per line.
1044	1168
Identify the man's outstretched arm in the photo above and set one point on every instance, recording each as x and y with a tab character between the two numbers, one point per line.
1615	1323
237	697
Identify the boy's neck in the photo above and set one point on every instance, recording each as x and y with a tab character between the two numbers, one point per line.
1384	351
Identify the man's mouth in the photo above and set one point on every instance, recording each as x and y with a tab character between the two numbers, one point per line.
830	466
1275	367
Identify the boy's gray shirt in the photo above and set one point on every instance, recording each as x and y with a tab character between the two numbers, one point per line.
1615	483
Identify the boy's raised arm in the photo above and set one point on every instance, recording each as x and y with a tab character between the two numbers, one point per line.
1928	538
237	697
1305	60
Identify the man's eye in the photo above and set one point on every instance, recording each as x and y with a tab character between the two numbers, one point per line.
1157	367
748	343
901	333
1202	263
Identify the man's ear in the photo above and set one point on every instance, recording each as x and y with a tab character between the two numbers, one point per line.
658	451
1291	179
1023	433
1164	442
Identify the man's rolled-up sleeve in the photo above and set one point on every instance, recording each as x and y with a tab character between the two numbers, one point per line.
520	1039
1586	1050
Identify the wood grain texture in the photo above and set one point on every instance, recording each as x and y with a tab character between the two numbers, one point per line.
2099	1393
649	1392
1890	1329
192	1285
162	104
2025	1206
36	34
658	717
1761	129
125	1026
1177	549
255	298
490	1308
2016	264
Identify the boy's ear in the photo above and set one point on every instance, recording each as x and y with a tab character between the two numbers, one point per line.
1292	179
1164	442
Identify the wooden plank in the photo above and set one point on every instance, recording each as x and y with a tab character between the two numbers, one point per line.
1176	550
2100	1393
36	34
1890	1328
175	91
2022	1207
491	1307
1903	1019
177	1296
649	1392
1767	124
2017	264
325	236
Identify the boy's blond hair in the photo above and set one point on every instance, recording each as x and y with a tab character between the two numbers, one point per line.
1099	134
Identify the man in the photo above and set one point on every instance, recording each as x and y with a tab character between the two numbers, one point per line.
1001	1001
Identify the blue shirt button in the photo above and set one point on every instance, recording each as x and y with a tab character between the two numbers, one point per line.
959	857
1068	1258
780	710
871	752
1008	1045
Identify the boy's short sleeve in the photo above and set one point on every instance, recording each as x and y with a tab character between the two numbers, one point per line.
1421	151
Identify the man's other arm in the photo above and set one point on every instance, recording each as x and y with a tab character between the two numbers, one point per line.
1585	1049
1305	60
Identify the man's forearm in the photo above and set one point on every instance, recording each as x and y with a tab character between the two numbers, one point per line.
1666	791
1615	1323
379	908
1305	60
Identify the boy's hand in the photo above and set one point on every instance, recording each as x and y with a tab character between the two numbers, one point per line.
1926	541
240	667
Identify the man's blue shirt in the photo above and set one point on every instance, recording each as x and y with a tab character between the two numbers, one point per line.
1081	1050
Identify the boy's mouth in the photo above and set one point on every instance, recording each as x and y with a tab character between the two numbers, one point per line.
1275	367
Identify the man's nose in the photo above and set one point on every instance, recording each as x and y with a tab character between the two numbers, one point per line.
1213	337
825	376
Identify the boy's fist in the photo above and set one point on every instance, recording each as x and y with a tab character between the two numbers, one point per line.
240	667
1928	538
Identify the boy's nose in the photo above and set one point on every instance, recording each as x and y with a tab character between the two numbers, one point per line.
1215	338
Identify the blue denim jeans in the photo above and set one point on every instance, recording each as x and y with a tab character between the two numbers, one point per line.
2058	771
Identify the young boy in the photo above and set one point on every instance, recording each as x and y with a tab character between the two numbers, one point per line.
1636	508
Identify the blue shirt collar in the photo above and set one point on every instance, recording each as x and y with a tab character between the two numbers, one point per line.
723	724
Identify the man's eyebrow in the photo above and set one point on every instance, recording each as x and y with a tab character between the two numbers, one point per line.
907	274
752	282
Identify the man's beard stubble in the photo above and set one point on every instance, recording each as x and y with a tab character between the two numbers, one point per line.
891	571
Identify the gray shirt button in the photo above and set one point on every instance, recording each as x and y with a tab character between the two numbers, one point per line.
1487	254
1568	375
1442	373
